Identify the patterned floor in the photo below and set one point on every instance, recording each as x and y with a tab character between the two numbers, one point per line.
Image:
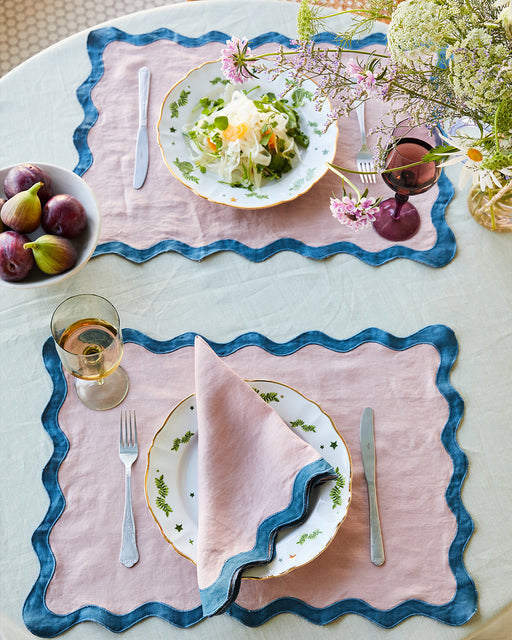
29	27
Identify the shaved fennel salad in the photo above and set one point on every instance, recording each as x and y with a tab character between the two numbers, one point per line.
246	141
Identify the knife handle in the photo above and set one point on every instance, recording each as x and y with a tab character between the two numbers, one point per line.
376	545
143	95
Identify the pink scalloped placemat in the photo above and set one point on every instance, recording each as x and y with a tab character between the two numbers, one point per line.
165	211
414	470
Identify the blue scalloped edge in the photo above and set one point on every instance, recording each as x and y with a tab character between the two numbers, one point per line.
221	594
44	623
439	255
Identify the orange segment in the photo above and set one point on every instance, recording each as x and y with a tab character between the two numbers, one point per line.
235	133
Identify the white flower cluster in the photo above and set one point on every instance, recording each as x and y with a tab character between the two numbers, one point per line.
480	73
457	54
417	28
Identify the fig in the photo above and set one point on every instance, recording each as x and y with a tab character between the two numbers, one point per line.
23	176
2	225
15	261
22	212
53	254
63	215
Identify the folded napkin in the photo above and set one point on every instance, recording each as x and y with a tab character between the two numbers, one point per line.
254	477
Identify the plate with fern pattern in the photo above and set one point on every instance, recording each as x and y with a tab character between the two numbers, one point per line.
171	480
182	108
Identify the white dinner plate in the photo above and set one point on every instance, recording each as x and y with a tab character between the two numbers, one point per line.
171	480
179	109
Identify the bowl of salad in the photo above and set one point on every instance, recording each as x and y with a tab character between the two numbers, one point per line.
246	146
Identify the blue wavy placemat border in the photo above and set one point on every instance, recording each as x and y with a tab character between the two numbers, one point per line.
439	255
44	623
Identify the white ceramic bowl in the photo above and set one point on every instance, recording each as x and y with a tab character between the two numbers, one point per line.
63	181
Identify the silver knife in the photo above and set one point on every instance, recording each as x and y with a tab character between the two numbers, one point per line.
368	454
142	148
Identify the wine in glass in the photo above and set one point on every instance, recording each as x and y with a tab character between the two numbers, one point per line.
397	219
87	334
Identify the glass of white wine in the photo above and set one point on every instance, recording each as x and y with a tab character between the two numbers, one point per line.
87	334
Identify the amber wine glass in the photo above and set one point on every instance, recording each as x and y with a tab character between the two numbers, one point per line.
87	334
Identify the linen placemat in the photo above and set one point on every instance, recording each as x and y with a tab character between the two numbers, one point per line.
164	215
420	471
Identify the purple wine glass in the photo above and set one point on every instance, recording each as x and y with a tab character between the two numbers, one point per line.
397	219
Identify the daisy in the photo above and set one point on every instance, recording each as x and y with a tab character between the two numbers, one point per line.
471	153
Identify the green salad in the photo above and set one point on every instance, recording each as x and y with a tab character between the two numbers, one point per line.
245	141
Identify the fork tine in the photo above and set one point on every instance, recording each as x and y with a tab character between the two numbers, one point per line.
128	429
369	176
121	440
133	422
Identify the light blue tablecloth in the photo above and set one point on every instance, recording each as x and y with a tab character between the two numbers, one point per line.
225	296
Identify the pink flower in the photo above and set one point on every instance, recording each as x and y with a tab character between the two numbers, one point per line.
234	60
364	77
356	214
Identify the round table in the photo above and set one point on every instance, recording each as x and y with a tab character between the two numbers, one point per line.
227	295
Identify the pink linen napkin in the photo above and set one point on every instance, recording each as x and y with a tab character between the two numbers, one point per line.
254	477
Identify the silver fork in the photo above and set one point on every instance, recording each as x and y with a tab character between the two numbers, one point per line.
364	158
128	452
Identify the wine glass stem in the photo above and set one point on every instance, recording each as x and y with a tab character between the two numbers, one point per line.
400	200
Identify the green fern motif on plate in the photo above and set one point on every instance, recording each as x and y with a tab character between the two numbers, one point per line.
186	169
219	79
270	396
310	173
180	102
163	491
335	493
183	440
316	129
308	536
300	423
259	196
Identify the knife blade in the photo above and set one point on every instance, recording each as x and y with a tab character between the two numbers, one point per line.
142	147
368	455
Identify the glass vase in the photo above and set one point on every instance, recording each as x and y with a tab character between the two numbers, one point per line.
498	217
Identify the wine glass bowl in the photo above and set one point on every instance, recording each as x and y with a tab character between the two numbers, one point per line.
87	335
405	173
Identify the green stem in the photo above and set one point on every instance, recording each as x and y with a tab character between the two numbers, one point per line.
410	92
356	11
493	218
293	52
335	170
496	139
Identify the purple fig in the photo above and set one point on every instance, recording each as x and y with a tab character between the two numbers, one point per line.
64	215
23	176
2	225
15	261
